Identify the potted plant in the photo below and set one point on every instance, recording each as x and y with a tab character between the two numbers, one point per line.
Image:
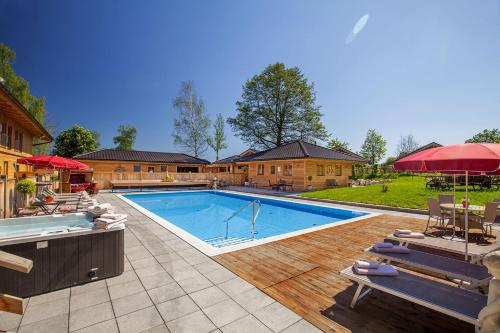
26	187
49	199
309	186
168	178
465	203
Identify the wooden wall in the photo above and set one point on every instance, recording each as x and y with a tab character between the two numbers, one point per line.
302	168
113	166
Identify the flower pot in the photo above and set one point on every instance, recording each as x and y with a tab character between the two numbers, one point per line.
309	187
49	199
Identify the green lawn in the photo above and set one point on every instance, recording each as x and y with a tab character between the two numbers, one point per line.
406	191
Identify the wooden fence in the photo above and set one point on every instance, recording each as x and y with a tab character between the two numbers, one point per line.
103	179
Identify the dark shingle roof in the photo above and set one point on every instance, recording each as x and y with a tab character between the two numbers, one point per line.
140	156
229	159
301	149
427	146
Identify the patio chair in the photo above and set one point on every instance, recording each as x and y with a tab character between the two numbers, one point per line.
455	302
473	222
273	186
491	213
475	275
435	212
446	199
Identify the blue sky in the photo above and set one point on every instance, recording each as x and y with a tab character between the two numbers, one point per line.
429	68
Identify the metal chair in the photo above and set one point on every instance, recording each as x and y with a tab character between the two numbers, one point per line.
436	213
446	199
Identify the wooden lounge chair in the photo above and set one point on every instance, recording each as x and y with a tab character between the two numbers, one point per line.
475	275
455	302
476	252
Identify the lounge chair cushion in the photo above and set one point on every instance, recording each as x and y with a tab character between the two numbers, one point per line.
381	270
394	249
409	235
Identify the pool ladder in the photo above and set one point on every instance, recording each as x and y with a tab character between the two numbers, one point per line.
255	213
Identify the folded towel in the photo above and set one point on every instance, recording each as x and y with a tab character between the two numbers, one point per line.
383	244
109	221
366	264
107	226
409	235
394	249
382	270
113	216
402	231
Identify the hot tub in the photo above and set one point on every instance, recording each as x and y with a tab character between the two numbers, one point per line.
65	249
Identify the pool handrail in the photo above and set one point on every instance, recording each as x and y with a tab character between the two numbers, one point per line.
254	215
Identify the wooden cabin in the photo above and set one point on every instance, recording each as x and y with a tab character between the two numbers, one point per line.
18	130
113	164
228	164
296	161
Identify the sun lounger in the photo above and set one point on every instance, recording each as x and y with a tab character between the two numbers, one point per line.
476	275
456	302
476	252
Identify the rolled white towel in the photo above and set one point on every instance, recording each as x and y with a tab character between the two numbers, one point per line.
113	216
383	244
366	264
402	231
410	235
382	270
394	249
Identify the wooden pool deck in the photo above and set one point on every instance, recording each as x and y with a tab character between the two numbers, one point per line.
303	274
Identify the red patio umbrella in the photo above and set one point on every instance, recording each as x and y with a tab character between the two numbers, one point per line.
468	158
53	162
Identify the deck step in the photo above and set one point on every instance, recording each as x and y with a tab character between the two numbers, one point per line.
223	242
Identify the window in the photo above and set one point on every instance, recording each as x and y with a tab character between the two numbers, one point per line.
9	137
17	145
287	170
187	169
222	169
320	170
260	169
20	141
338	170
329	169
273	170
3	131
163	168
151	169
137	168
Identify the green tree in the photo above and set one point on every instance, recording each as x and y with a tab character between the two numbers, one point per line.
373	149
337	143
18	86
126	137
278	106
218	141
406	145
76	140
191	128
486	136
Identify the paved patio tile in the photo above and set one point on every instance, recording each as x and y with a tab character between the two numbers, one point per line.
146	262
150	270
195	322
209	296
139	321
157	329
91	286
248	324
136	253
183	273
168	257
276	316
45	310
123	278
220	275
176	308
302	326
89	298
166	293
156	280
253	300
170	266
208	266
131	303
195	284
90	315
225	312
49	297
235	286
56	324
125	289
108	326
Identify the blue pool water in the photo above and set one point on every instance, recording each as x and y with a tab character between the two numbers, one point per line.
42	224
203	214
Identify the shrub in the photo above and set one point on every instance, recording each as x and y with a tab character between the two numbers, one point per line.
168	178
26	186
385	188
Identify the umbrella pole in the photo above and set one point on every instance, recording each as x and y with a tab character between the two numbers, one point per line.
60	181
454	200
466	215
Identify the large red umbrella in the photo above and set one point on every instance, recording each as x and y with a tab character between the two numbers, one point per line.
468	158
53	162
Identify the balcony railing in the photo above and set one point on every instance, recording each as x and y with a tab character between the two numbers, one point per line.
4	139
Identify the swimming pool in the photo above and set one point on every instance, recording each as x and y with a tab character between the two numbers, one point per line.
205	214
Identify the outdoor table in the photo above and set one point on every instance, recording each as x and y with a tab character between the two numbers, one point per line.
474	208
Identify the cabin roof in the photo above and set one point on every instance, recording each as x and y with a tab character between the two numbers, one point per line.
301	149
427	146
13	109
140	156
